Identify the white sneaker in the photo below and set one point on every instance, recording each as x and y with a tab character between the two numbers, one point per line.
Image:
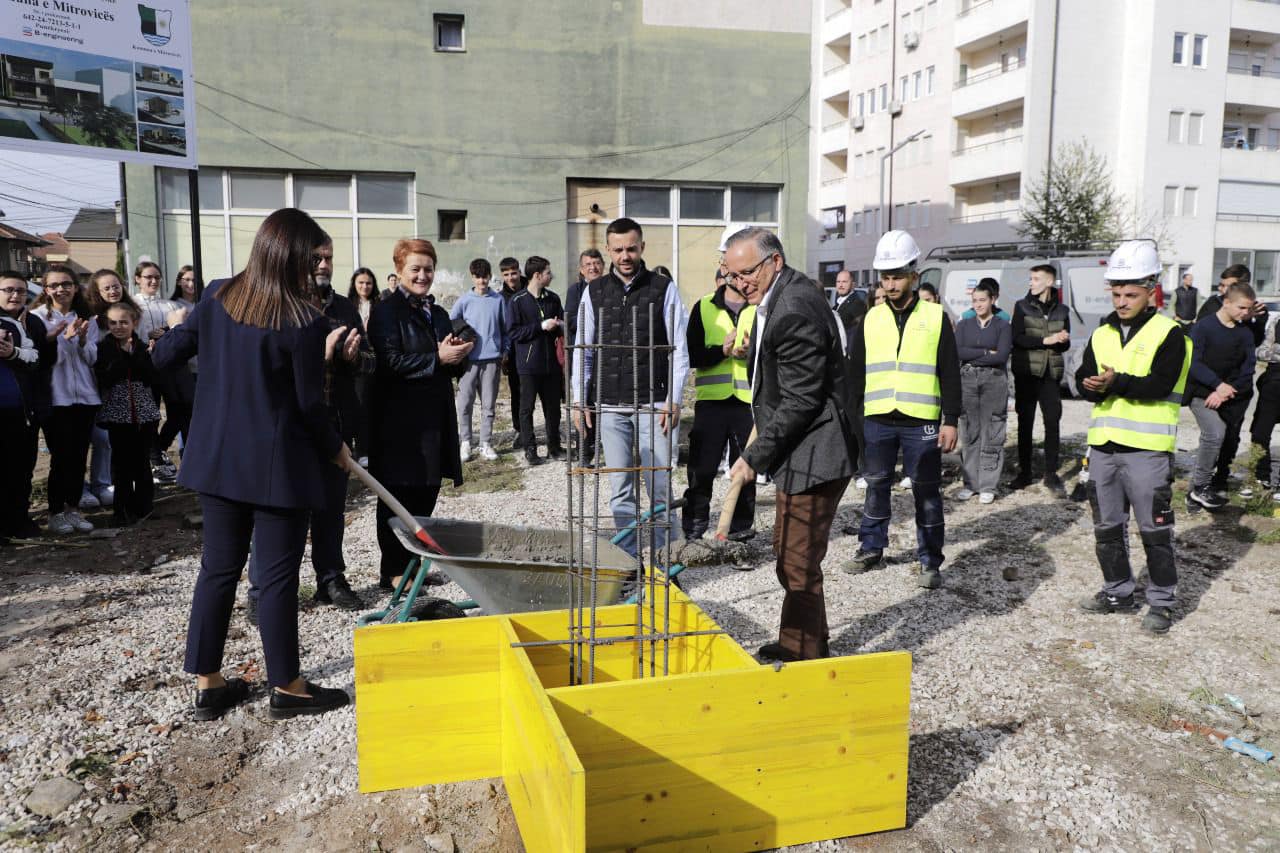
78	521
965	494
861	483
88	500
465	450
106	495
905	484
364	461
1276	497
1245	492
59	525
487	452
986	498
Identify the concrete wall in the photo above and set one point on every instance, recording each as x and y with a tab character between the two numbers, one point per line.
543	93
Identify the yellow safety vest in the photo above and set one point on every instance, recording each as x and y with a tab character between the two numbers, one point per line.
1143	424
903	376
729	377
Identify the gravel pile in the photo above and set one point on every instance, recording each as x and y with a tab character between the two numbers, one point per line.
1034	726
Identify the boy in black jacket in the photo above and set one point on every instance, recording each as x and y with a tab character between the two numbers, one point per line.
534	322
26	362
129	413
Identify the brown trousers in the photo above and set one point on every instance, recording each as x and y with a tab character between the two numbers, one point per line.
800	534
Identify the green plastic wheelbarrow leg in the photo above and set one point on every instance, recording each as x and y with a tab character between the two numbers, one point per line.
379	615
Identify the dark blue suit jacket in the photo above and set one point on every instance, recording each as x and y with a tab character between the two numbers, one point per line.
260	432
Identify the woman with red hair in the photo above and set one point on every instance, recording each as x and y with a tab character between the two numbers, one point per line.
413	428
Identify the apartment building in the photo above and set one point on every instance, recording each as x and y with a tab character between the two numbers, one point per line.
1182	98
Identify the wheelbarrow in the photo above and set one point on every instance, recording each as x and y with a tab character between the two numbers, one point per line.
504	568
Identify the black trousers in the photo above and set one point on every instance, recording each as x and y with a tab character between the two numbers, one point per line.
20	442
67	433
1265	417
544	387
715	424
279	536
1232	413
513	386
420	501
131	469
177	388
1029	392
327	526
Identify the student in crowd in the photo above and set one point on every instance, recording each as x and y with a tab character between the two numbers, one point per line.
1219	389
363	292
482	311
105	289
26	358
129	412
535	323
1237	274
1041	335
187	289
512	283
169	386
927	292
1184	300
74	393
260	440
983	343
393	281
413	426
590	268
1267	412
993	287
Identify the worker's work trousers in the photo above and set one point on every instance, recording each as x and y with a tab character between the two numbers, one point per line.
480	379
626	436
982	428
801	530
922	462
1141	480
716	423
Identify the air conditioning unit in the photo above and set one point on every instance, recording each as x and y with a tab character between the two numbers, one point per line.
895	108
911	40
858	123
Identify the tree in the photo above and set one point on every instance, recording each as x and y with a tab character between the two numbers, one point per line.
106	127
1075	202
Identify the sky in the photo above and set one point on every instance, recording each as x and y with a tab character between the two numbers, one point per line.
40	193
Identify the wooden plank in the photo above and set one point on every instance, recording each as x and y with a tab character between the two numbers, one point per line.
544	779
742	760
427	702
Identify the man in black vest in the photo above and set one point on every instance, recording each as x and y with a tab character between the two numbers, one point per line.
512	283
640	408
1185	298
1041	336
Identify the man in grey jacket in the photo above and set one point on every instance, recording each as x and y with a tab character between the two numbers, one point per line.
805	438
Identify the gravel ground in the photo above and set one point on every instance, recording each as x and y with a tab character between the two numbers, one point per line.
1034	726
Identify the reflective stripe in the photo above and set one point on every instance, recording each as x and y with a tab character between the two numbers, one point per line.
882	394
714	379
741	385
1133	426
908	367
918	398
881	367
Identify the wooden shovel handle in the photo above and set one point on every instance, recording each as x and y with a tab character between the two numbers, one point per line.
394	505
731	499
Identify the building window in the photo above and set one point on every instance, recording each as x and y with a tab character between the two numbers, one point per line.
1179	45
701	203
871	101
257	190
386	194
1175	126
648	202
322	192
861	105
905	84
450	33
1170	201
924	213
873	42
931	14
886	44
862	46
453	225
753	204
1195	128
1198	51
1190	195
916	80
884	96
928	80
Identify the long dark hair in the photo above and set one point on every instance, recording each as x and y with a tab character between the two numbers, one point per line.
273	290
78	303
351	291
98	305
177	284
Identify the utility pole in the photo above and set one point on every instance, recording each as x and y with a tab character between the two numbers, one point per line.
886	216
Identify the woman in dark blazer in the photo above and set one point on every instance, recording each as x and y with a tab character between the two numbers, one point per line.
413	427
259	442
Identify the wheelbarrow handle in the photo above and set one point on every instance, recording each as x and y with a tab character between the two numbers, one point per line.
394	505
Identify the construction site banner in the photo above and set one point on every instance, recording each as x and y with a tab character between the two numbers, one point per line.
109	79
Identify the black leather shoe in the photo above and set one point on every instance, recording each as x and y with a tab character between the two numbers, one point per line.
775	652
216	701
557	453
532	457
1021	481
285	705
338	593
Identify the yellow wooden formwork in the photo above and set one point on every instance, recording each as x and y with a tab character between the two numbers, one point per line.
721	754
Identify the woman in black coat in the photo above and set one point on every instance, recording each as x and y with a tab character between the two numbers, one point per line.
260	439
413	426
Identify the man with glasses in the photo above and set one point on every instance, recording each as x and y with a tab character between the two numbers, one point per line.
590	268
804	435
638	412
26	359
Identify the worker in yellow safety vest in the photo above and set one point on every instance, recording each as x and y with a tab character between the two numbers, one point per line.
1134	371
718	336
907	376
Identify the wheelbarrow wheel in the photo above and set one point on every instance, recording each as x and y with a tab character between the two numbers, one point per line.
425	609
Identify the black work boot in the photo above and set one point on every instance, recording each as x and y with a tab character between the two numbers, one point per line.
340	594
1103	603
1023	480
1157	620
531	456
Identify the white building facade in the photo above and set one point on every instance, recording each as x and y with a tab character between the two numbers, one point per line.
1182	98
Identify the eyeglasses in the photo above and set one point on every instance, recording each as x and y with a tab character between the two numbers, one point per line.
12	290
747	273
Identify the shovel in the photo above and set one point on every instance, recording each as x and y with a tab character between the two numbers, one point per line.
395	506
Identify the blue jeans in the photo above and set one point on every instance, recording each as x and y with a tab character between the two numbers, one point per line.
619	434
100	464
922	462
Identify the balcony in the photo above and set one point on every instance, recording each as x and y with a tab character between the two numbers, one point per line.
979	20
1002	214
835	81
1001	87
833	192
986	161
834	137
836	24
1259	164
1259	15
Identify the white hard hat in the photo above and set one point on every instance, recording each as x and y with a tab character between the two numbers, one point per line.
729	230
1133	260
896	250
